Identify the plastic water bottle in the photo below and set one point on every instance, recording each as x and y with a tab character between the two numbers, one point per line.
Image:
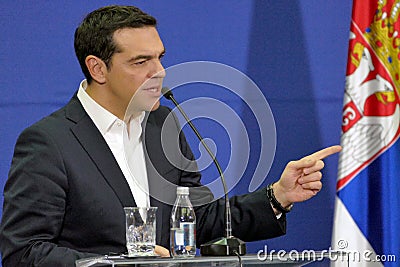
183	226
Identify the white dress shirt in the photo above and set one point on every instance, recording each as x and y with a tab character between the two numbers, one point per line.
125	145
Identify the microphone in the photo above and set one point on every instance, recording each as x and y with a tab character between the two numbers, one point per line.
227	245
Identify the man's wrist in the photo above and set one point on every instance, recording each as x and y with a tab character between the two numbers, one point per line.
276	204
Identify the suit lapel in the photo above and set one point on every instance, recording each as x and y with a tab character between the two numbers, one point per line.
94	144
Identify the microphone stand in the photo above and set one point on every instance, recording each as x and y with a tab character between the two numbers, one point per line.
227	245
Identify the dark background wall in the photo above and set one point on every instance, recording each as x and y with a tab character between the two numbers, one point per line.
295	51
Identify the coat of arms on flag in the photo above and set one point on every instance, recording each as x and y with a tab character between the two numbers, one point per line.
367	215
371	104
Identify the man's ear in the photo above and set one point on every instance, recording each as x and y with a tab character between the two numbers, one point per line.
97	68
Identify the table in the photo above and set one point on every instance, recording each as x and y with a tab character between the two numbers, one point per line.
247	260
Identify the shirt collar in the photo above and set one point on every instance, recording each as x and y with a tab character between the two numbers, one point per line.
102	118
135	127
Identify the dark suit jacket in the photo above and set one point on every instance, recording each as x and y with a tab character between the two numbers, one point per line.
65	193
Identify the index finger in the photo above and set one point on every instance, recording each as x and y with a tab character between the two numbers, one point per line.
323	153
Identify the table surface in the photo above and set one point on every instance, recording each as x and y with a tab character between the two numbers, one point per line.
247	260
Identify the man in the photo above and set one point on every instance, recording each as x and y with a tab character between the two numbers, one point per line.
74	171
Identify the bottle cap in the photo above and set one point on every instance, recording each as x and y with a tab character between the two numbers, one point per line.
180	190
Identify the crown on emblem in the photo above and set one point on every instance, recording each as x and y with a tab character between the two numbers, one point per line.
385	39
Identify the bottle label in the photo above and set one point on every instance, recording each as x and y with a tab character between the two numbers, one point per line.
189	230
185	234
179	238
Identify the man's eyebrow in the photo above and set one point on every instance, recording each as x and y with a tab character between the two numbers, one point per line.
139	57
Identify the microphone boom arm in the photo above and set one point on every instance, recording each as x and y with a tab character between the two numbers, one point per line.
228	216
228	245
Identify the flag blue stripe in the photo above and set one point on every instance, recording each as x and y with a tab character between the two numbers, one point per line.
373	200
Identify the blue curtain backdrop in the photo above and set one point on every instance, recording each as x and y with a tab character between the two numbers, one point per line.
295	51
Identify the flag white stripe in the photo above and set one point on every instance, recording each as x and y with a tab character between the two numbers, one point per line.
346	233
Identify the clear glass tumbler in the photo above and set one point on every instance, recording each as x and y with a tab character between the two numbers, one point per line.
140	231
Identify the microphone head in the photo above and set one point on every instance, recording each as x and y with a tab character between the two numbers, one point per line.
167	92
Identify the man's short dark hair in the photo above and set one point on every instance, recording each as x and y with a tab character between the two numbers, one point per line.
94	36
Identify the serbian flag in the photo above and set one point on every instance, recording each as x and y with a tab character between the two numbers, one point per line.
367	205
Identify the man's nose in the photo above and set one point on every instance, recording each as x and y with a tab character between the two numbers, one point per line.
159	71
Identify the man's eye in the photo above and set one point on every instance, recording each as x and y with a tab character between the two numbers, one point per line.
140	62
